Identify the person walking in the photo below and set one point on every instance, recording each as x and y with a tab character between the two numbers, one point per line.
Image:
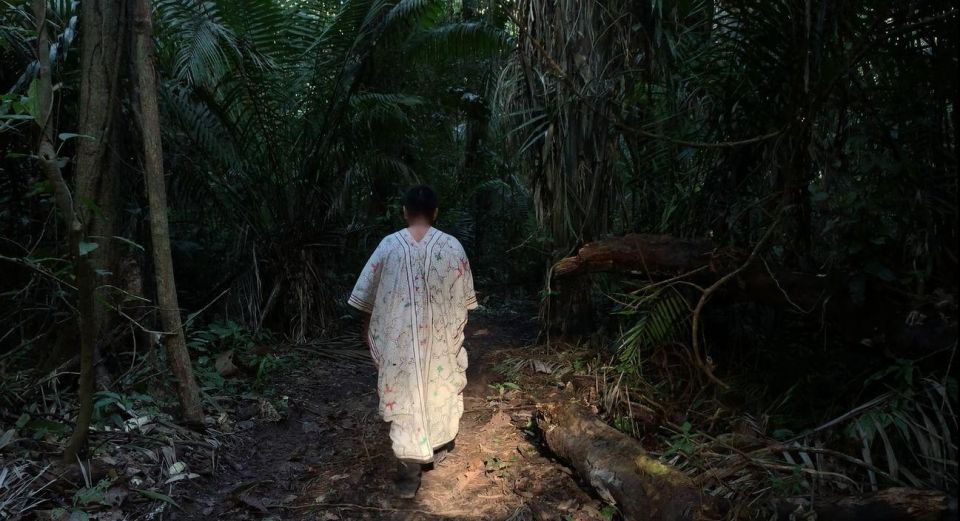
416	290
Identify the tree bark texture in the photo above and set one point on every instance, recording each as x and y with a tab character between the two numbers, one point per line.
572	48
102	54
173	339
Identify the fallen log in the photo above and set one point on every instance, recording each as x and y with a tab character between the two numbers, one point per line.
644	489
876	318
661	257
642	253
618	468
892	504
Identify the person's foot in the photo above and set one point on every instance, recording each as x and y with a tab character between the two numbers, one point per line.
441	453
408	479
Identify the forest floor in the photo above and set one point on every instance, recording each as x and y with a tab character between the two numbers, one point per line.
328	456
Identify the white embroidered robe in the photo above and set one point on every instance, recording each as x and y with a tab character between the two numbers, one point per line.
418	295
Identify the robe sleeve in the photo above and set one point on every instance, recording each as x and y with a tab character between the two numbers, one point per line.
364	294
469	295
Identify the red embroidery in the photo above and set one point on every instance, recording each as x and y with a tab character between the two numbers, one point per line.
388	389
390	405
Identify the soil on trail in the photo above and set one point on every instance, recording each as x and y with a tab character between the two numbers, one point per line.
329	458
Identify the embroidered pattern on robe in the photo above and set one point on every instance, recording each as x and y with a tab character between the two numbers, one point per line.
418	295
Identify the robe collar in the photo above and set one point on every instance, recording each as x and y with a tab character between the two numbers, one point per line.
423	242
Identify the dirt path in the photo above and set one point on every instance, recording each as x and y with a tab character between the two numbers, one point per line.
329	458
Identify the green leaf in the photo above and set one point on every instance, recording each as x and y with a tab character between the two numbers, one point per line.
783	434
31	102
152	494
87	247
78	515
40	187
22	420
91	205
608	512
64	136
94	494
6	438
43	426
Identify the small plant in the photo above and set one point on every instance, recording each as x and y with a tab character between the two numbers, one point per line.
242	346
681	443
494	464
579	365
84	497
791	485
608	512
117	408
503	388
267	365
510	368
91	495
40	427
623	424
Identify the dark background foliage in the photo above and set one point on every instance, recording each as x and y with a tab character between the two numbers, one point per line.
290	129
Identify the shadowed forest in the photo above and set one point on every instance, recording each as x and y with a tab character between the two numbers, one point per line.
714	244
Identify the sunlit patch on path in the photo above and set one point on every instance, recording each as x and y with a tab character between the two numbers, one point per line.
330	458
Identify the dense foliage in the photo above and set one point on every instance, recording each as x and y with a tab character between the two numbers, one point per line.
290	128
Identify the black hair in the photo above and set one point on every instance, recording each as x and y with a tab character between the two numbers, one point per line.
420	201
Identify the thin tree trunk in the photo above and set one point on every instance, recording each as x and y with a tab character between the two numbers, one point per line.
102	55
173	340
101	24
47	158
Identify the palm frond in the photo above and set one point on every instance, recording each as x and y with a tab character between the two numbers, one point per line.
661	314
460	40
195	40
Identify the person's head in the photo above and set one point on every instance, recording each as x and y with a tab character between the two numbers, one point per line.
420	204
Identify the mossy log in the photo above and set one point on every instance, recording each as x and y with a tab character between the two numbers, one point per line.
645	489
617	467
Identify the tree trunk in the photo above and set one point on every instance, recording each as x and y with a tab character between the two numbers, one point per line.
179	358
102	55
83	273
618	468
573	48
